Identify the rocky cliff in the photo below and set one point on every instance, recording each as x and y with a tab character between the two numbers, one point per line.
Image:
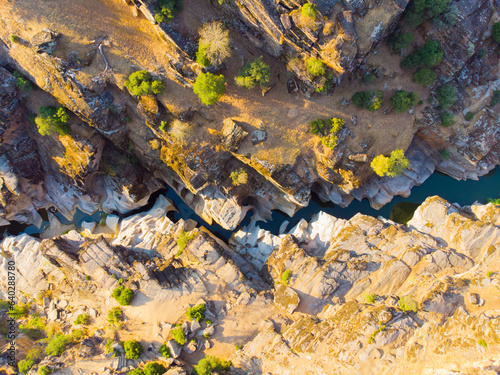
334	296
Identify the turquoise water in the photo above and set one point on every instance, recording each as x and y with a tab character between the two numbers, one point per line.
462	192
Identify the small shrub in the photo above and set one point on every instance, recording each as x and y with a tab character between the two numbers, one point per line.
495	98
445	154
154	368
57	345
22	83
399	41
184	239
494	201
371	340
44	370
142	83
285	276
166	10
309	10
390	166
179	335
82	319
122	295
206	335
197	312
482	343
18	311
254	73
371	298
317	127
14	38
404	100
425	77
239	177
238	347
87	277
209	364
52	119
133	349
208	322
407	303
469	116
163	126
165	351
209	87
495	32
214	44
446	95
315	67
447	118
136	371
490	273
115	315
25	365
78	335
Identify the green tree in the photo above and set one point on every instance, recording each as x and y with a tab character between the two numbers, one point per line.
209	87
179	335
411	61
446	95
431	54
254	73
154	368
425	77
315	67
399	41
209	365
371	100
57	345
123	295
167	9
390	166
469	116
165	351
197	312
403	100
239	177
309	10
447	118
214	44
495	32
133	349
142	83
52	119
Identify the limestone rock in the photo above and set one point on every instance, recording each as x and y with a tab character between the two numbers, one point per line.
286	298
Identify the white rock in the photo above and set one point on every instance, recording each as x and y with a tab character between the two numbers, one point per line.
89	226
112	222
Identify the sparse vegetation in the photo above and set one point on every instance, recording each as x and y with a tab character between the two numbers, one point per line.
209	87
407	304
404	100
82	319
315	67
115	315
425	77
371	340
371	298
309	10
447	118
446	95
254	73
197	312
166	10
239	177
209	365
123	295
390	166
142	83
370	100
482	343
178	335
133	349
184	238
52	119
57	345
285	276
213	45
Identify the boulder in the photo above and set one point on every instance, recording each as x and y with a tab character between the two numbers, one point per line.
286	298
232	135
175	349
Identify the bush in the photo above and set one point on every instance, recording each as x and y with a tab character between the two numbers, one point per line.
179	335
495	98
403	100
214	44
447	118
44	370
399	41
197	312
309	10
209	364
209	87
136	371
317	127
123	295
371	100
21	82
184	239
445	154
490	273
495	32
446	95
425	77
25	365
407	303
163	126
285	276
142	83
57	345
82	319
167	9
371	298
430	54
115	315
32	358
482	343
165	351
390	166
133	349
14	38
154	368
52	119
239	177
315	67
254	73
